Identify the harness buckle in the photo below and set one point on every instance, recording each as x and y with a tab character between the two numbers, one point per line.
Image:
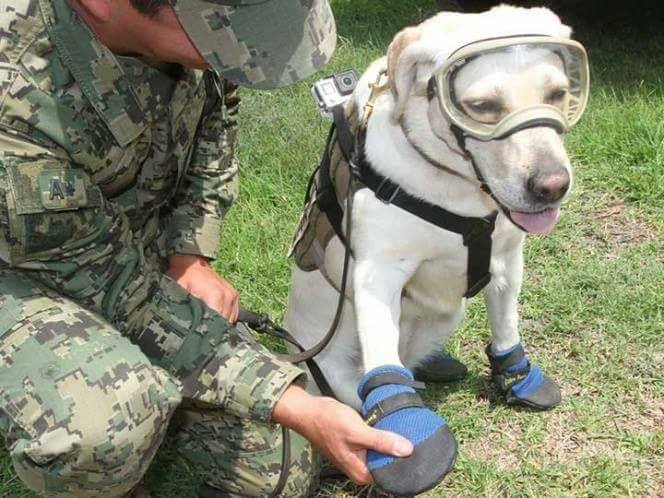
477	231
483	226
386	199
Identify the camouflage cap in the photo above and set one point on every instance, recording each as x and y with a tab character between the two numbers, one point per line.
260	43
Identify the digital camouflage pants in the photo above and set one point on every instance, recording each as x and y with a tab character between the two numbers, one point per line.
83	410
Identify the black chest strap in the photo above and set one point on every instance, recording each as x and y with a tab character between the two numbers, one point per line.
476	231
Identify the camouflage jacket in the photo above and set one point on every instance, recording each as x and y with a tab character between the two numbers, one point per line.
108	164
135	130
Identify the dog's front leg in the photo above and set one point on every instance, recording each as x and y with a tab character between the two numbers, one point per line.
389	400
501	298
378	287
522	382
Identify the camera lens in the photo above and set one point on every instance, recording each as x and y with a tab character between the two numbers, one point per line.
345	82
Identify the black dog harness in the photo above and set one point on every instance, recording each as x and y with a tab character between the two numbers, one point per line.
476	231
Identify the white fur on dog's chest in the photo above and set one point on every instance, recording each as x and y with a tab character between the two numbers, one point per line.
438	286
439	283
438	257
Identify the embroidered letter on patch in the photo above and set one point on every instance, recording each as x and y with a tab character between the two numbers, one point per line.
63	189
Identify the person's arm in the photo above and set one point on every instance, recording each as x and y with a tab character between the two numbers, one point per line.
210	183
207	190
337	430
57	226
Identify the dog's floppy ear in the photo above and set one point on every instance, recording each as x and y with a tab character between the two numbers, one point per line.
565	31
401	67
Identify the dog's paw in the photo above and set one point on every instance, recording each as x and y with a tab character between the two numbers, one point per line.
523	383
440	366
390	403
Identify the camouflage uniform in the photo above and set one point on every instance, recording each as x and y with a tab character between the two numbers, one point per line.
108	165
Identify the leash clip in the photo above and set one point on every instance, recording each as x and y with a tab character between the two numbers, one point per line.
355	169
376	88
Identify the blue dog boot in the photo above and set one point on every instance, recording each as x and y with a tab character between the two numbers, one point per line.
523	383
390	403
440	366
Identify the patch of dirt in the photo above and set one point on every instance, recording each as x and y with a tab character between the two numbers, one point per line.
646	414
493	447
613	225
341	488
564	441
564	444
561	443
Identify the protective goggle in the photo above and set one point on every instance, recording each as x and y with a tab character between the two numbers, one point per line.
493	88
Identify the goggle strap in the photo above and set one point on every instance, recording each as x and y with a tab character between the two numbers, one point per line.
461	140
533	123
431	88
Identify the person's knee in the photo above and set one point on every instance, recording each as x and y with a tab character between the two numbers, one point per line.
106	439
304	468
295	478
239	457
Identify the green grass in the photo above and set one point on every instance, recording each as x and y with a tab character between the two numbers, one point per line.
591	307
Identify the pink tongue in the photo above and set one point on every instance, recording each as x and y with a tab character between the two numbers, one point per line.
542	222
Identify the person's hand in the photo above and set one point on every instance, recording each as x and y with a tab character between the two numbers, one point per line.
337	430
197	277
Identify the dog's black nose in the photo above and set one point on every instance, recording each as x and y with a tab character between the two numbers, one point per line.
549	187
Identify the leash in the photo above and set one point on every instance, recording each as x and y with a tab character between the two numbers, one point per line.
260	322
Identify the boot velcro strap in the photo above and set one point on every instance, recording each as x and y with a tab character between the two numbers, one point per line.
507	380
500	364
391	405
388	378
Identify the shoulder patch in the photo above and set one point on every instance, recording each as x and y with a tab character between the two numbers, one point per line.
48	186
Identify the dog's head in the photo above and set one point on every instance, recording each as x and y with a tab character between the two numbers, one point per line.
528	171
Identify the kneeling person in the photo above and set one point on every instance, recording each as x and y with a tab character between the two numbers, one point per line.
117	164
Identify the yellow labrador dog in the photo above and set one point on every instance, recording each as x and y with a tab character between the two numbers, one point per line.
467	124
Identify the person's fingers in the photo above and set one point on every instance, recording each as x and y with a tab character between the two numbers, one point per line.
230	299
232	303
226	306
385	442
215	300
354	466
235	310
